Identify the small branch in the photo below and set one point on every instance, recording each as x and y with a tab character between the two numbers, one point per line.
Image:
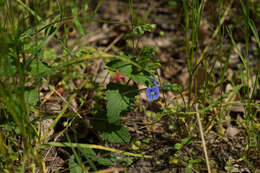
203	140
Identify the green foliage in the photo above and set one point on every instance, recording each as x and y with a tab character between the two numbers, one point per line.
89	155
124	67
8	68
118	134
31	97
229	165
167	86
115	132
11	127
178	146
36	46
173	4
105	161
74	167
126	91
38	68
125	161
115	105
120	97
141	29
146	61
76	21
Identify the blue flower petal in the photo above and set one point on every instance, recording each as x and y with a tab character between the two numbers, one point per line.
149	94
152	93
155	83
148	91
155	91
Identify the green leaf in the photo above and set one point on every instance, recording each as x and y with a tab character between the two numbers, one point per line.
167	86
117	135
105	161
115	105
125	90
195	161
31	97
76	21
189	168
158	116
89	154
7	67
142	78
38	68
146	55
74	167
125	160
178	146
115	132
187	140
124	67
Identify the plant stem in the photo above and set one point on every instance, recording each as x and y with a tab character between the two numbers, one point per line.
203	140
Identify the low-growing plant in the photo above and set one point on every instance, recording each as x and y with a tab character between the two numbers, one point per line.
36	51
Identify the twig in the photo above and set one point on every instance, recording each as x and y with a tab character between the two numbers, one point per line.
111	170
92	146
203	140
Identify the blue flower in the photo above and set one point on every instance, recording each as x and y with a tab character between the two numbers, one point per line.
152	93
155	83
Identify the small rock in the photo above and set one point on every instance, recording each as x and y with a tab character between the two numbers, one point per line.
232	131
237	108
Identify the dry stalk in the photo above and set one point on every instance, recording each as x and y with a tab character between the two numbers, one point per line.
203	140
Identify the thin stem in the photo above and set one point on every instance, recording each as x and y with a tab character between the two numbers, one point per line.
203	140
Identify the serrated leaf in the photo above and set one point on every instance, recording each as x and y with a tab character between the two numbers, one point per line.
115	105
74	167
